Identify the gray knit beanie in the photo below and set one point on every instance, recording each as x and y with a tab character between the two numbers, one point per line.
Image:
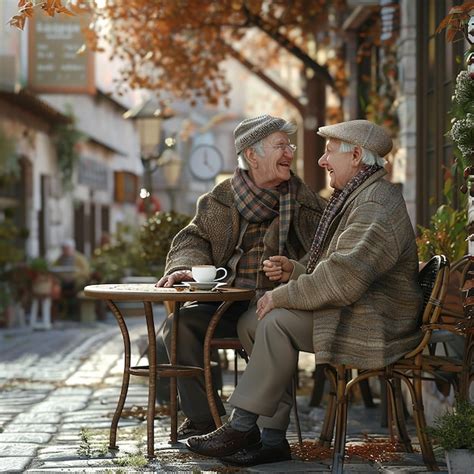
251	131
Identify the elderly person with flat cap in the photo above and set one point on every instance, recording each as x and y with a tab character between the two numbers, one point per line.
262	210
355	302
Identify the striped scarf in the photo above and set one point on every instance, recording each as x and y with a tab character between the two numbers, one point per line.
258	205
335	204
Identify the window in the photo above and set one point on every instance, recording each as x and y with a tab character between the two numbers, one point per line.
437	71
126	187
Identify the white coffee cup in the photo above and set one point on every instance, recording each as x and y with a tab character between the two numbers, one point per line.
207	273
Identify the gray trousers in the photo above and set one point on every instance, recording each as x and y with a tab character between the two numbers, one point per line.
193	322
273	344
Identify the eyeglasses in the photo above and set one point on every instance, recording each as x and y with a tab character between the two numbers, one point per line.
283	146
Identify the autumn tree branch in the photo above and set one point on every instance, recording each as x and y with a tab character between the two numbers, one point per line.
283	41
270	82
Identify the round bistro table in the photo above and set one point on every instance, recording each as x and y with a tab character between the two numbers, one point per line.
148	294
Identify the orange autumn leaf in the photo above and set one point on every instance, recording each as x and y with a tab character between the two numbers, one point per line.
18	21
189	38
456	20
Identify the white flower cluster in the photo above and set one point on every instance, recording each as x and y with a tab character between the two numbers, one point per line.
462	133
464	92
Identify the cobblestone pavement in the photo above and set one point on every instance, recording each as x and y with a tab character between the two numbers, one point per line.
58	389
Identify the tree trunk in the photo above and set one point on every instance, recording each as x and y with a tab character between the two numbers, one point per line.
314	117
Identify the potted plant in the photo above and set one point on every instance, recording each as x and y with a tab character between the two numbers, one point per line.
41	278
454	432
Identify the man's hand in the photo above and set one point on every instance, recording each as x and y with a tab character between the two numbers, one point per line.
278	268
264	305
175	277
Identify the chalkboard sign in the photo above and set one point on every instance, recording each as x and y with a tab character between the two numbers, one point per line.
54	65
93	174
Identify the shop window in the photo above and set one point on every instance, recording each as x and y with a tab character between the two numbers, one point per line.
126	187
438	66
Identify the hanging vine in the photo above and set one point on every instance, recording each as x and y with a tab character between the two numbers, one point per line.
66	139
9	163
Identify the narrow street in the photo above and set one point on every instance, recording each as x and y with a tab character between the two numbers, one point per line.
58	389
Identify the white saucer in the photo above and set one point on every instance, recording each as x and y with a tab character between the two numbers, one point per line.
205	285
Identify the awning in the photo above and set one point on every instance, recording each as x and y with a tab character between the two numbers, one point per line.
34	105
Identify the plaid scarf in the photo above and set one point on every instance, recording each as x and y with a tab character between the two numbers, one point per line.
258	205
335	204
249	272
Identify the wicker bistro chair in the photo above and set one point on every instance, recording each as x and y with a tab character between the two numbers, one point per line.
433	279
233	344
454	329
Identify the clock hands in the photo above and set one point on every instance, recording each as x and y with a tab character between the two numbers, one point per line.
206	162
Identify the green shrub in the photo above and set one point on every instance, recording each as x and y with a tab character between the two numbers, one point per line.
138	252
158	232
455	429
38	265
446	234
122	257
447	231
11	255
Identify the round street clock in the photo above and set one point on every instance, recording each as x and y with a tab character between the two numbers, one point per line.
205	162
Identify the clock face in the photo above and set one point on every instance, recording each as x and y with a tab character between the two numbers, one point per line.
205	162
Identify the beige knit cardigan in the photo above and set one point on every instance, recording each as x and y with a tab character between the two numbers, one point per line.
217	228
363	293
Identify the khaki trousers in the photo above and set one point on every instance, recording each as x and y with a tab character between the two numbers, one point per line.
273	344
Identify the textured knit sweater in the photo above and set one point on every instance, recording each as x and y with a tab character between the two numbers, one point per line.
217	229
363	293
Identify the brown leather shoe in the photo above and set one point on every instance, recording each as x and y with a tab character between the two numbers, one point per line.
263	455
224	441
190	428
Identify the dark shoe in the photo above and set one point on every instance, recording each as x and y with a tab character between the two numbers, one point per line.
224	441
264	455
189	428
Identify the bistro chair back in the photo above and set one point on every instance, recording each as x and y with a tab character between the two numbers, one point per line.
454	331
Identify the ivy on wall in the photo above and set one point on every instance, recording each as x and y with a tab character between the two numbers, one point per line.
66	139
9	163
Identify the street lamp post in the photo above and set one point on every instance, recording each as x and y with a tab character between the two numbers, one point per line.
149	121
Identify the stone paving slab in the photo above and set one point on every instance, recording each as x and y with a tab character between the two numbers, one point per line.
16	464
17	449
37	418
59	389
38	438
28	428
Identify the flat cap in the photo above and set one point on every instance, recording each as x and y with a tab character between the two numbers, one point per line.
252	130
360	132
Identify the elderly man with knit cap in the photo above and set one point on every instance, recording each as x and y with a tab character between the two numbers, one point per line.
355	302
262	210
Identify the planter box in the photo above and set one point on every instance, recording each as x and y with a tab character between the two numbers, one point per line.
43	285
460	461
86	308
